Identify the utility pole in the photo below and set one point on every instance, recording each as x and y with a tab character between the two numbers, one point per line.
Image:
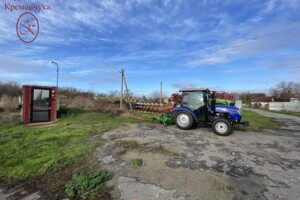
161	93
127	93
123	81
57	70
121	94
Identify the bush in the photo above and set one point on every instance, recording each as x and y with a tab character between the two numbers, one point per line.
108	107
85	103
80	102
266	106
63	111
88	185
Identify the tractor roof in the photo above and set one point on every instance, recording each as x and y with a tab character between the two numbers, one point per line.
192	89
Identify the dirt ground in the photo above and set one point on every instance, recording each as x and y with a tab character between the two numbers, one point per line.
198	164
245	165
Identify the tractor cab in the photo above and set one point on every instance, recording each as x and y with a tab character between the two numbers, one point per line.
199	106
195	100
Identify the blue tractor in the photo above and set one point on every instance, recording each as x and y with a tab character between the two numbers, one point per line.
198	107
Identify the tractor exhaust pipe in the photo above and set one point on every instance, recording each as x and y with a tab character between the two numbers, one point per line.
213	102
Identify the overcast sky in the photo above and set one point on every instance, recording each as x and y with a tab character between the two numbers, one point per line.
228	45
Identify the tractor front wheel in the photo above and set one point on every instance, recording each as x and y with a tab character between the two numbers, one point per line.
222	126
184	120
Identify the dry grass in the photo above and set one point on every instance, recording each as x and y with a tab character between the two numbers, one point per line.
87	103
9	103
10	118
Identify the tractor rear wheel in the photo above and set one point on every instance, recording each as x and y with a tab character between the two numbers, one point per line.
184	120
222	126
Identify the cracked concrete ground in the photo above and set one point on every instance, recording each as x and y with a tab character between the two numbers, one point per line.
245	165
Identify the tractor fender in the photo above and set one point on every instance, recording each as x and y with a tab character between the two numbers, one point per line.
186	109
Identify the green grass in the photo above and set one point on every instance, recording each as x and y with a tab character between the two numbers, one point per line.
257	122
27	152
297	114
145	115
88	185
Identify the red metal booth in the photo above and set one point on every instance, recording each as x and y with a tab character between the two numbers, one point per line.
39	104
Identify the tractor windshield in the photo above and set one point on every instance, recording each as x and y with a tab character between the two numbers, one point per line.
193	100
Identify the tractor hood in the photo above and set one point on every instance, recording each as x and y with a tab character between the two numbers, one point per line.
227	109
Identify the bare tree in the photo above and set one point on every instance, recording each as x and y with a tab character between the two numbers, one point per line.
286	90
275	92
297	90
247	97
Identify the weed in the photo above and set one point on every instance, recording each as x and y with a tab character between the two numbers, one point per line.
88	185
136	162
228	189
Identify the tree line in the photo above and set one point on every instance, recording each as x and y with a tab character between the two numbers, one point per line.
14	89
283	91
11	89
